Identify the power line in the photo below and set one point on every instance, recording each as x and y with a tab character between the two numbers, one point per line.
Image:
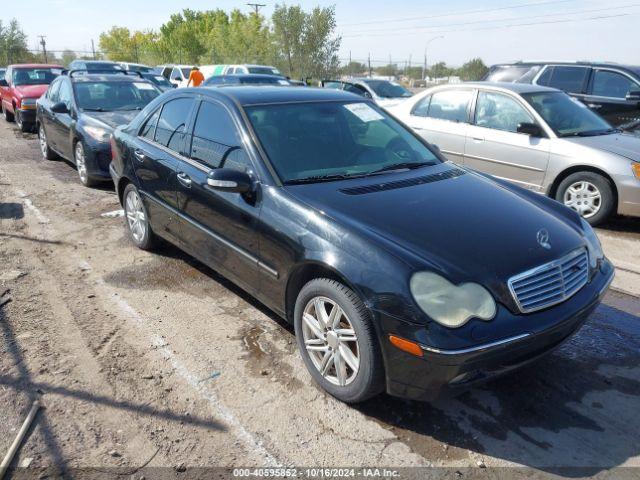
462	12
429	28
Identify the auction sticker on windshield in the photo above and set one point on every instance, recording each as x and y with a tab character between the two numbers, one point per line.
364	112
144	86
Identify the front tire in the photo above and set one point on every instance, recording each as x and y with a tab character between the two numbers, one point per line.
44	144
337	341
24	127
588	193
137	219
7	115
81	165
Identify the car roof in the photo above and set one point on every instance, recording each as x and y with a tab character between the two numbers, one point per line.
250	75
34	65
106	77
248	95
512	87
634	68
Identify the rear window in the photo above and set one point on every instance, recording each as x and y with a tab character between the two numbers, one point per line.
569	79
512	73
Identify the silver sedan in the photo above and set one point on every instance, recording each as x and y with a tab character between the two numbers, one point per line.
537	137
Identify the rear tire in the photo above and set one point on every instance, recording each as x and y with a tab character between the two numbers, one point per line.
339	347
588	193
7	115
136	219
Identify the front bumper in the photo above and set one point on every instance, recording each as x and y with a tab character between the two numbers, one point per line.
441	370
628	188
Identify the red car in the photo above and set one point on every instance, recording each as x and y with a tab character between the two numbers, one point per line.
21	86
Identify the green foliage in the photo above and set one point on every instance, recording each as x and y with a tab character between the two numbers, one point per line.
13	44
474	69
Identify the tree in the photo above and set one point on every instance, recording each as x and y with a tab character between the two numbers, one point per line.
440	70
353	68
390	70
13	44
474	69
68	56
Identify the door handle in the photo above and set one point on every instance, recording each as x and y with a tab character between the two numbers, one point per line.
478	139
184	179
595	106
139	154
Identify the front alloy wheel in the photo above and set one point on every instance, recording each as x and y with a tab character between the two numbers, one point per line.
337	341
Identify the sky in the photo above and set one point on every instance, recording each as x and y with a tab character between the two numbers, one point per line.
494	30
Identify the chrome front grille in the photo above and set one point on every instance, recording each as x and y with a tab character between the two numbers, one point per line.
551	283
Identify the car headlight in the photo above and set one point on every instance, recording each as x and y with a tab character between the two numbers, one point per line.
448	304
97	133
593	244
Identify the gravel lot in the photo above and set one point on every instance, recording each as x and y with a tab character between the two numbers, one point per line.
123	347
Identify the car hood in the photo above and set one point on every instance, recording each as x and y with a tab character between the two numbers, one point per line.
113	119
469	227
31	91
622	144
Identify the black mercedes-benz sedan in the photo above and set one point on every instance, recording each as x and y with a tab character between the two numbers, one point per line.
76	116
399	270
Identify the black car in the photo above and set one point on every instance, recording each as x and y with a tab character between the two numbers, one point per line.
399	270
96	66
78	113
245	79
609	89
158	80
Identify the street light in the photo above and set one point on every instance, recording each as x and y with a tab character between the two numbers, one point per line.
424	67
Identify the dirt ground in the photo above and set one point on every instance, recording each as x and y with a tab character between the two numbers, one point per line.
154	360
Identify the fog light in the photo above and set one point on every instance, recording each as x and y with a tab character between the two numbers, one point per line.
406	345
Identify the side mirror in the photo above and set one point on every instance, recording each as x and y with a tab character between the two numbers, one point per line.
3	83
633	95
59	107
531	129
229	180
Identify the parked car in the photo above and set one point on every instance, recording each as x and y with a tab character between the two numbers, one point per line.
383	92
21	87
399	271
95	66
180	75
211	70
136	67
78	113
538	137
611	90
158	80
242	79
164	70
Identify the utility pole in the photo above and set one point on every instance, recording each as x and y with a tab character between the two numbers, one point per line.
256	6
369	61
44	46
424	68
93	49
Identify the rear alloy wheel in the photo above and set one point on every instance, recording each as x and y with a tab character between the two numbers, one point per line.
136	218
337	341
81	165
7	115
589	194
44	144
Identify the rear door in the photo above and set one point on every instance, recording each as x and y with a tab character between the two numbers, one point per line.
157	148
572	79
614	95
494	146
442	119
220	228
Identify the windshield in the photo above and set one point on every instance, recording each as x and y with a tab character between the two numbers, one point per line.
264	70
313	142
387	89
109	96
567	116
34	76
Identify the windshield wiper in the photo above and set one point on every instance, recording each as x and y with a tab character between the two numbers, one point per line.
403	166
319	178
591	133
97	109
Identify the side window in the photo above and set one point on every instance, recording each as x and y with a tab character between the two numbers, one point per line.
149	129
65	94
500	112
422	107
450	105
214	135
52	93
237	160
545	77
357	89
175	74
612	84
172	123
569	79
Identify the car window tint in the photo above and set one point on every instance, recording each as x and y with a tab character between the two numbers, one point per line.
569	79
149	128
65	94
421	108
237	160
214	135
450	105
500	112
175	75
172	123
612	84
545	77
357	89
508	73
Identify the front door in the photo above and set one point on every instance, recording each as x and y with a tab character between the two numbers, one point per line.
442	119
218	227
493	145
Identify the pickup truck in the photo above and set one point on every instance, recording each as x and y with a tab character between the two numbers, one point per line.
21	86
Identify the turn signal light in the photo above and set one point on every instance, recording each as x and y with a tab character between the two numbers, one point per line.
636	170
406	345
